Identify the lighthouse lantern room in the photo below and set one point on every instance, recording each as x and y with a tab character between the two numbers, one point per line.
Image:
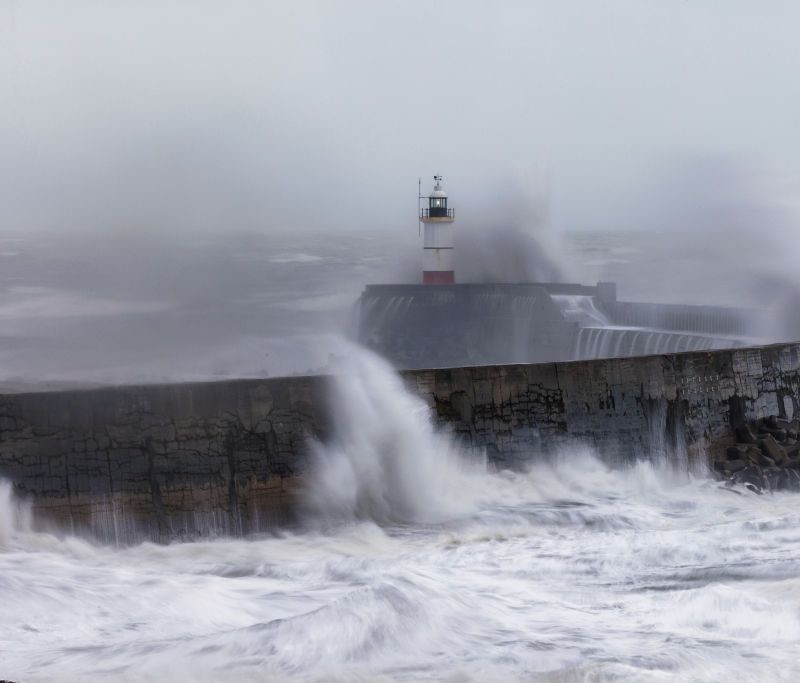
437	264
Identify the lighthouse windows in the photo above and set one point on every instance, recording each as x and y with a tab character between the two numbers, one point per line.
438	207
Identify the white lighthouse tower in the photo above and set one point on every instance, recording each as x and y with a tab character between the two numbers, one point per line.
437	262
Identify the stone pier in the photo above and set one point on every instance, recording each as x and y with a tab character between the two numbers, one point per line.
183	460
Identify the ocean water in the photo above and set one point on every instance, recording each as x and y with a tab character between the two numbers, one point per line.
419	563
94	308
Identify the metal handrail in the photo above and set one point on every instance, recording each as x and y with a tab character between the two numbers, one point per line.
426	213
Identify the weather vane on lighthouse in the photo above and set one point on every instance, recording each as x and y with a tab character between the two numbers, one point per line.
437	262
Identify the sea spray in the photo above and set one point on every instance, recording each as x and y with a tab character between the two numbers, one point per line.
385	460
15	516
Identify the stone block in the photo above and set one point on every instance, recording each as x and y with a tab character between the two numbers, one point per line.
772	449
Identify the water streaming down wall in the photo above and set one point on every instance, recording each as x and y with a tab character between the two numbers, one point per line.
708	320
582	309
615	342
470	324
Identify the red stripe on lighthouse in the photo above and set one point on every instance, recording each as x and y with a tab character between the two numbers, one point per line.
438	277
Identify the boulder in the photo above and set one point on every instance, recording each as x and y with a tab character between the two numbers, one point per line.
792	462
736	452
757	457
749	475
777	434
772	449
730	466
734	466
745	434
765	457
753	453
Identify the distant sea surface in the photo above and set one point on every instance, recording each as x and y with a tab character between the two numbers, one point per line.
97	309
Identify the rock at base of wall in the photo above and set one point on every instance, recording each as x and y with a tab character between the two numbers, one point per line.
766	457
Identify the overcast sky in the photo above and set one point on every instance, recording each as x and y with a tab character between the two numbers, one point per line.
235	115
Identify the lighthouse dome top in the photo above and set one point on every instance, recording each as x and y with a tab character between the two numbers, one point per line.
437	188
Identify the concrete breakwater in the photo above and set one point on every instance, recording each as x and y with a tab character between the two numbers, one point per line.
417	326
162	461
166	461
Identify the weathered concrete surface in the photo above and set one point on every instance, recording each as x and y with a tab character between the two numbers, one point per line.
163	461
229	457
685	405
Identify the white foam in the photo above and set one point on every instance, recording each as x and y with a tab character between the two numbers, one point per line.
385	460
15	517
434	570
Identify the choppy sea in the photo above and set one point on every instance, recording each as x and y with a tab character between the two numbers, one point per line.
417	562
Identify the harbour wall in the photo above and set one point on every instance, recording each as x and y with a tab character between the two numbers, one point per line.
184	460
418	326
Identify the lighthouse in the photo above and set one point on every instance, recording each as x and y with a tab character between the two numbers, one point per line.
437	260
